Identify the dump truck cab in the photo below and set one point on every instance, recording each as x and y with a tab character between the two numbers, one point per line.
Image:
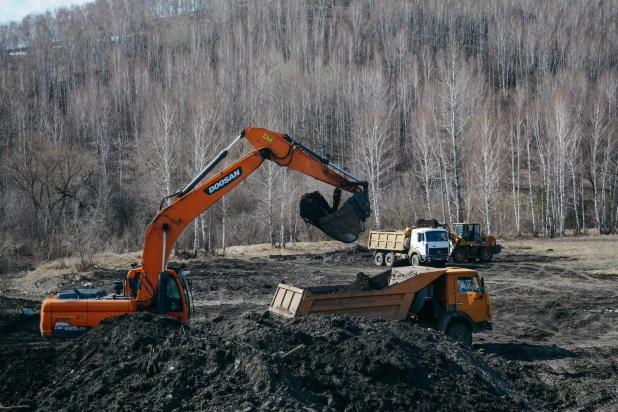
451	300
457	304
415	246
428	246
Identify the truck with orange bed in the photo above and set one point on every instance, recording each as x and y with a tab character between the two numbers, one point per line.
452	300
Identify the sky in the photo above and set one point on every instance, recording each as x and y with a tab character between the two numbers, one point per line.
15	10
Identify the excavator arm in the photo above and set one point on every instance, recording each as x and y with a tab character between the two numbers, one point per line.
196	197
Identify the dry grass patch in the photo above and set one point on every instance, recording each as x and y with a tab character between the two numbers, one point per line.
592	254
298	248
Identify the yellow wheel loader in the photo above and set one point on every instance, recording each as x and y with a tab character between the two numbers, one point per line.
468	243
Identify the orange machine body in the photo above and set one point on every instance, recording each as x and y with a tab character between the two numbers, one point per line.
70	316
73	312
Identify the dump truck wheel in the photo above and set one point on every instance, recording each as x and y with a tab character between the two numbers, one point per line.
460	333
379	259
459	255
415	260
486	255
389	259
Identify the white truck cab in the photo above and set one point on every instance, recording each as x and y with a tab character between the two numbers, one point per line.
429	246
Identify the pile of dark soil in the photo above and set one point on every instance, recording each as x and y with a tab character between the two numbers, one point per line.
141	361
14	323
356	254
363	283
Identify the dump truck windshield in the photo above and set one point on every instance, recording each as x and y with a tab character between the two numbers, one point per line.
468	284
436	236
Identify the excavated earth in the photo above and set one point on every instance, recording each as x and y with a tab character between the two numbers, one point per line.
553	346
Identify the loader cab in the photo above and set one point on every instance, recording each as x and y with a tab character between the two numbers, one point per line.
470	232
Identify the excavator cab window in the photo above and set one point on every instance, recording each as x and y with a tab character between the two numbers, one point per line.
173	301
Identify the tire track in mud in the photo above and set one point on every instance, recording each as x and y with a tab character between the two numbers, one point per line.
555	331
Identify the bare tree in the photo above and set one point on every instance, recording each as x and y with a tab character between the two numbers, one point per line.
458	96
487	174
269	180
562	128
203	127
425	152
162	142
375	148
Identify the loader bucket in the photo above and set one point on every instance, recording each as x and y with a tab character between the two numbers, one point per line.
344	224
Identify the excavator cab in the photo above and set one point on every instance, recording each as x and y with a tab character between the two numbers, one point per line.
174	295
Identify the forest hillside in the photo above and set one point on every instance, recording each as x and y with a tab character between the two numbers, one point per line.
502	112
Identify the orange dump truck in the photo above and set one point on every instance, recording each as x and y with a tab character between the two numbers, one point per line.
453	300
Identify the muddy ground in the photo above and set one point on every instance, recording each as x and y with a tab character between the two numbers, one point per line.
553	346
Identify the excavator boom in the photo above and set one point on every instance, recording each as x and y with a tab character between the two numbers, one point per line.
342	224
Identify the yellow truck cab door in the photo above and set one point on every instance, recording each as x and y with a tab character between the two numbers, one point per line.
469	298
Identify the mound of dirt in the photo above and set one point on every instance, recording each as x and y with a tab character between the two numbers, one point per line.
14	323
356	254
145	362
363	283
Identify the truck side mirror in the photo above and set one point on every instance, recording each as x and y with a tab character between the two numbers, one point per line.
482	284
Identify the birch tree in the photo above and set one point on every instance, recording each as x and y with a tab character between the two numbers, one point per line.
203	127
425	153
375	148
562	128
162	141
458	96
487	173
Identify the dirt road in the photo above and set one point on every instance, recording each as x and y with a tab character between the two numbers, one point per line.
555	317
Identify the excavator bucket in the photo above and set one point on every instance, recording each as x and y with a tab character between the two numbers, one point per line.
344	224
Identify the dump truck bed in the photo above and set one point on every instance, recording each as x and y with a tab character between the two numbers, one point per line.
392	302
387	241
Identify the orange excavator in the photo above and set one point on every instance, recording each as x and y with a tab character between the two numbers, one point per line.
156	288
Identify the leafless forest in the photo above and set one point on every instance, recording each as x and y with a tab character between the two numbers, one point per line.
506	110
